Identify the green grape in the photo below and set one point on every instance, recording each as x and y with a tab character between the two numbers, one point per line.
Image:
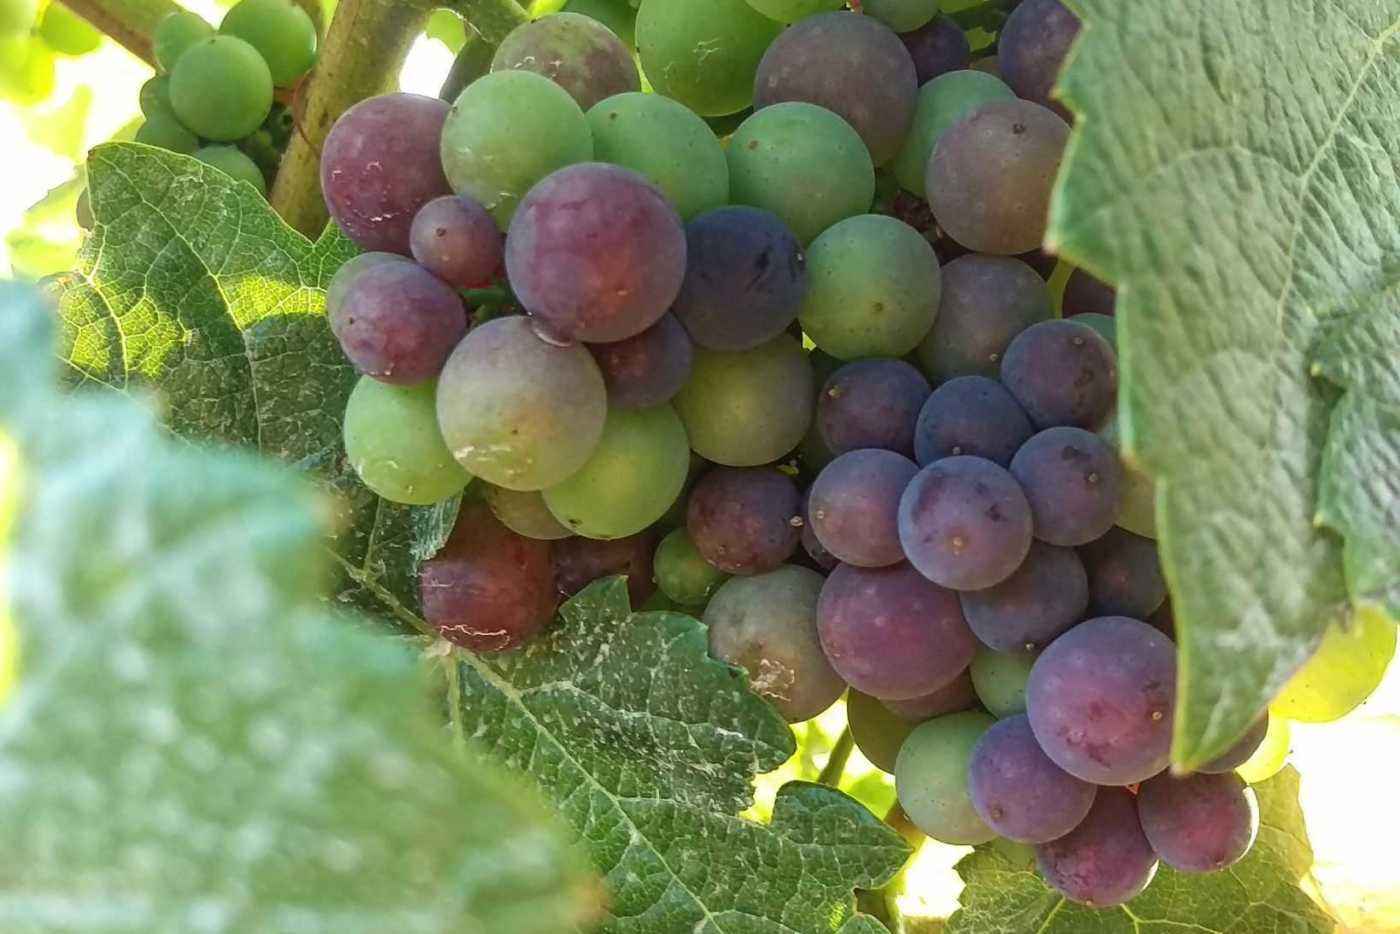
930	778
617	15
633	477
508	130
750	407
999	678
703	53
67	32
874	292
393	443
803	163
167	132
668	144
1271	756
790	11
1347	669
877	731
281	31
685	577
221	88
233	163
901	15
175	34
17	17
1137	503
525	513
155	96
942	102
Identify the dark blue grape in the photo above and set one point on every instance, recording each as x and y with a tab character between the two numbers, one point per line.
1018	791
971	415
1238	754
457	240
1027	611
1032	49
1086	295
398	322
1063	373
647	369
1198	823
1072	479
580	561
938	46
986	302
871	404
854	506
1125	577
745	520
1106	860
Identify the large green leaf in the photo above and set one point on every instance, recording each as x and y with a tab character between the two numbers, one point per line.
1234	171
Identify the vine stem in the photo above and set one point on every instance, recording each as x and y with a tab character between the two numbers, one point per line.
836	762
130	23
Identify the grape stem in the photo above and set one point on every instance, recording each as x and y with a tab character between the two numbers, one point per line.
836	762
130	23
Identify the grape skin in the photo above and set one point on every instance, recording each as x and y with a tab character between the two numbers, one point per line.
173	35
955	696
816	551
902	16
1106	860
648	369
1073	482
986	302
398	323
878	732
457	240
281	31
790	11
971	415
221	88
1045	596
872	404
580	561
999	679
1063	373
393	443
703	53
1032	49
1125	577
346	275
1086	295
745	521
682	573
942	102
938	47
1198	823
854	506
524	513
1240	753
1018	791
930	778
576	52
617	15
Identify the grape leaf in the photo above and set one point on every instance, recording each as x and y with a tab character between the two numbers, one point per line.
1237	182
1258	895
192	743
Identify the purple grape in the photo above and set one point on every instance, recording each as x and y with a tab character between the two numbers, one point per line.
1086	295
971	415
955	696
1199	823
1027	611
1238	754
1164	620
816	551
457	240
576	52
871	404
938	46
380	164
852	65
580	561
1101	699
348	272
1125	577
1018	791
745	278
398	323
745	520
891	633
596	253
964	523
854	507
1041	260
1106	860
987	301
1032	48
1072	479
647	369
1062	373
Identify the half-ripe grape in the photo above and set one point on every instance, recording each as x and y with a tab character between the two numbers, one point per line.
517	411
930	778
790	11
617	15
1243	750
647	369
955	696
506	131
854	506
1137	503
667	143
576	52
165	131
1045	596
281	31
748	407
1073	482
398	322
892	633
703	53
346	275
987	301
767	626
878	732
380	164
1018	791
1101	700
964	523
234	163
682	572
1346	669
875	288
1106	860
999	678
488	589
174	35
745	278
1125	577
1086	295
457	240
524	513
221	89
1198	823
155	95
596	253
872	404
942	102
991	174
1032	48
393	443
852	65
745	521
816	551
1271	756
901	15
803	163
971	415
1063	373
937	47
580	561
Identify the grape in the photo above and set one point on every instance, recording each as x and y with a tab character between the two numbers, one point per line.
1198	823
1101	699
852	65
1045	596
1164	620
902	16
999	678
1240	753
986	302
155	93
745	521
457	240
576	52
346	275
942	102
647	369
971	415
1103	325
703	53
1072	480
682	573
878	732
524	513
1041	260
232	162
790	11
380	164
1137	503
397	323
748	408
871	404
937	47
1034	42
579	562
174	35
816	551
518	412
82	211
596	253
393	443
875	288
854	507
1086	295
991	174
955	696
221	88
989	64
634	475
281	31
1271	756
965	523
1106	860
617	15
1062	373
1125	578
803	163
165	131
489	589
891	633
930	778
1018	791
767	626
661	139
506	131
1347	667
745	278
66	32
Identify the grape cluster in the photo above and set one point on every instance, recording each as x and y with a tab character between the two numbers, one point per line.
689	349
